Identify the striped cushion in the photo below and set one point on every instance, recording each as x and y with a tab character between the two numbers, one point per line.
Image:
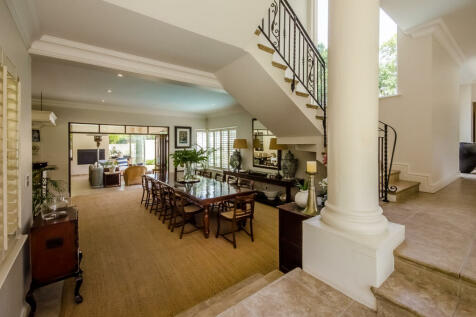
122	162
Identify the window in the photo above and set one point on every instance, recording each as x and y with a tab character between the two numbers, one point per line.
388	73
10	91
221	140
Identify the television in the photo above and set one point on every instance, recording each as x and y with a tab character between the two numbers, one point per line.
89	156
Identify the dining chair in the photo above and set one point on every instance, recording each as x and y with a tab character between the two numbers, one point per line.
198	172
219	177
167	207
155	200
232	180
245	183
146	191
242	210
186	211
207	174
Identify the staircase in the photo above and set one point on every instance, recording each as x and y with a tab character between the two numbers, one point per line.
281	80
418	289
231	296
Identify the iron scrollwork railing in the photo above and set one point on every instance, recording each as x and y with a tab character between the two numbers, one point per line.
386	135
290	40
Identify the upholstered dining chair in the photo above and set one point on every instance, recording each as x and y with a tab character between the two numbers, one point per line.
219	177
186	212
243	209
207	174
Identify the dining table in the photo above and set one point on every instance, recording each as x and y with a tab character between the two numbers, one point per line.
204	192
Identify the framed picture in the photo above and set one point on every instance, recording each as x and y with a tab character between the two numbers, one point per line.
35	135
183	137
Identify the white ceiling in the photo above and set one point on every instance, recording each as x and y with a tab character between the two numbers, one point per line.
410	13
79	83
109	26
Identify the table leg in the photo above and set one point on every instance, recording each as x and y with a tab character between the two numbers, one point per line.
288	194
206	221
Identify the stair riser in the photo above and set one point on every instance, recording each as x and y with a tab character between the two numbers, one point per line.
394	177
420	273
388	309
403	194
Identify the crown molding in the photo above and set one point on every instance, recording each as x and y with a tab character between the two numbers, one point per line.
55	47
25	15
442	34
56	103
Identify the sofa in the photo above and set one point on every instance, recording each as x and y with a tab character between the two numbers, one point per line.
133	175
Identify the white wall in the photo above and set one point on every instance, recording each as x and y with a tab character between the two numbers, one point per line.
54	140
13	290
426	113
465	114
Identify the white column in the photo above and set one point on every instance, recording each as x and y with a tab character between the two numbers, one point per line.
350	245
353	201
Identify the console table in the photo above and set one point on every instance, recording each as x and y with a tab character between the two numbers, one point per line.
286	183
290	236
55	254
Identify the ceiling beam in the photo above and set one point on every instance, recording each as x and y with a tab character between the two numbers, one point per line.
55	47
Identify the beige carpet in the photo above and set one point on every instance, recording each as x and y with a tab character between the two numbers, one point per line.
134	266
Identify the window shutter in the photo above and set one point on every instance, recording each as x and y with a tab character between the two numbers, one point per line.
217	146
211	145
225	148
3	232
13	93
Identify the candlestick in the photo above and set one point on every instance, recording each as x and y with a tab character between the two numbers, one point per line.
311	167
311	206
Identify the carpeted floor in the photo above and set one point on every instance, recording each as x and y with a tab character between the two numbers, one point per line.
133	266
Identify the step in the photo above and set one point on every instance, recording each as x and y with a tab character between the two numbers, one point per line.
279	65
320	117
302	94
213	308
273	275
404	190
394	176
192	311
400	296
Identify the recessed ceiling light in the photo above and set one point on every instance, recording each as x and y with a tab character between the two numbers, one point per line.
109	91
120	75
102	101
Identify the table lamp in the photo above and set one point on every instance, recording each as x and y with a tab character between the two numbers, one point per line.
273	145
235	159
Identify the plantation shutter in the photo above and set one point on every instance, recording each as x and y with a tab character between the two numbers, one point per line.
225	148
3	220
12	115
211	144
202	139
232	137
217	147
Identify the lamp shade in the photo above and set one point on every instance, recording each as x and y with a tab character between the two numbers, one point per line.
240	144
273	145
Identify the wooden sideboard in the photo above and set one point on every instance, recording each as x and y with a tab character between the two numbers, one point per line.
290	236
286	183
55	254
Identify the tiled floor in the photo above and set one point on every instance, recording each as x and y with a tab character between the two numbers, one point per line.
80	187
440	228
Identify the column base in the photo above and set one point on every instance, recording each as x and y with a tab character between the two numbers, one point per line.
348	262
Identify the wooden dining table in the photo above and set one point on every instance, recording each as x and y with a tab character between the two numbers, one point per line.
204	193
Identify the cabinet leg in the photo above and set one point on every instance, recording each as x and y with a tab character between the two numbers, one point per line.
31	301
79	281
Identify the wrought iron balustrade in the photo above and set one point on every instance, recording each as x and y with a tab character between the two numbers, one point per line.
386	136
290	40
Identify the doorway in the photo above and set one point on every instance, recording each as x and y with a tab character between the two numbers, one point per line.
123	145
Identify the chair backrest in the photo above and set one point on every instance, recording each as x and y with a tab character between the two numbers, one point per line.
245	183
231	179
207	174
219	177
198	172
244	206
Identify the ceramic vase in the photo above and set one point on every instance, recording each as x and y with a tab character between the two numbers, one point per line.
301	198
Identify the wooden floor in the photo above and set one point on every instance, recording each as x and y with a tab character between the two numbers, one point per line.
134	266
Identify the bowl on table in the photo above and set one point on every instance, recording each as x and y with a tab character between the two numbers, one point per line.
271	194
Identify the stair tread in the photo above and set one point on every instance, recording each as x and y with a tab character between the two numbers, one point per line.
403	185
273	275
192	311
231	299
420	298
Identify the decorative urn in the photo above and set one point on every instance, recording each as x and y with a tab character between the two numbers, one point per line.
289	165
235	161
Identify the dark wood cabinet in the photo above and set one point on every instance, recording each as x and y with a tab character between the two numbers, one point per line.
290	236
112	179
54	253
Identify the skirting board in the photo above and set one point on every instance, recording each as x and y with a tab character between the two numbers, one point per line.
426	184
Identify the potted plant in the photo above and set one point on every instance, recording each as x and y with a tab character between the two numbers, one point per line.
44	190
323	194
301	197
186	158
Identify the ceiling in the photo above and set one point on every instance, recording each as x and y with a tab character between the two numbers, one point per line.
79	83
410	13
105	25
